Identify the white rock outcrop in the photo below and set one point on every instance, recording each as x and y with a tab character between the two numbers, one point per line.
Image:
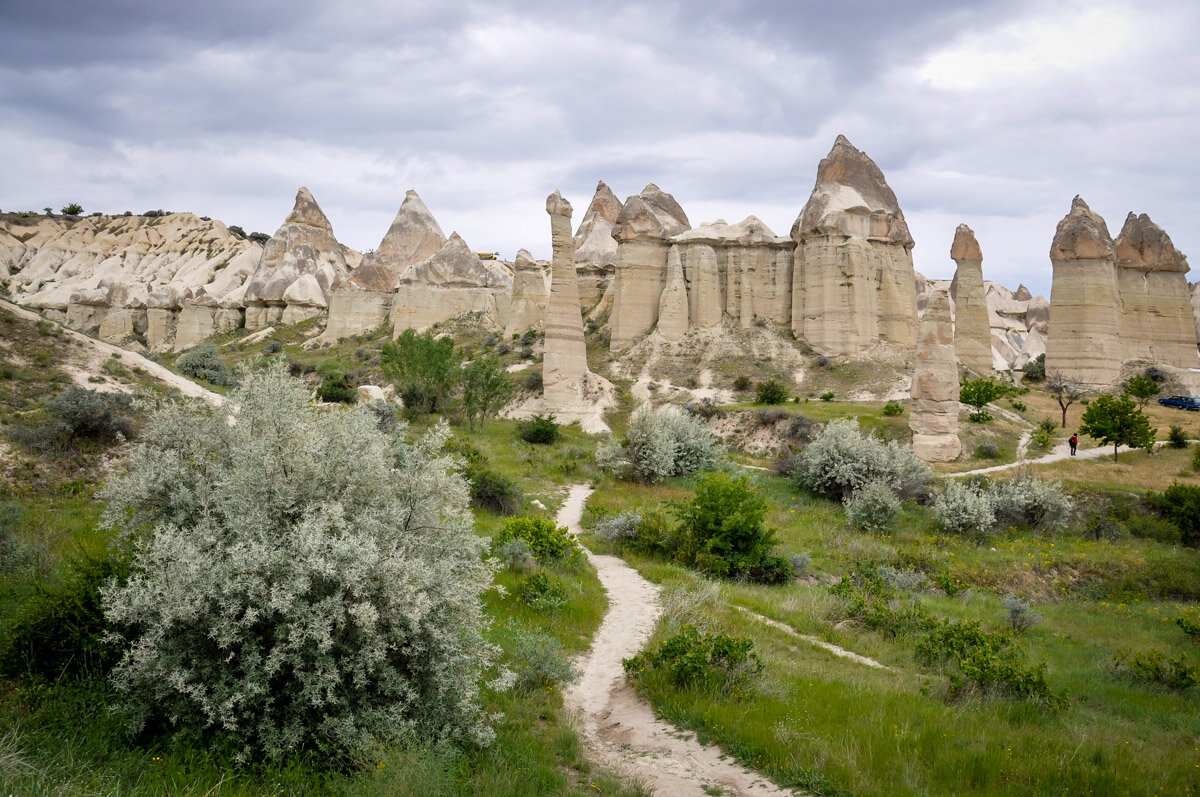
1157	322
595	247
530	296
452	282
934	413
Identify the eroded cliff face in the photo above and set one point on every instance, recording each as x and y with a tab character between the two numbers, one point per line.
853	284
301	265
530	296
452	282
595	247
643	231
1157	321
934	414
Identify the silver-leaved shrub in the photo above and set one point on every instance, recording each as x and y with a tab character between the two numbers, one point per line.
299	579
661	442
840	461
965	509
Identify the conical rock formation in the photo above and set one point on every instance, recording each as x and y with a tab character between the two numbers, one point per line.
595	247
972	331
530	296
854	283
1157	322
452	282
642	231
934	417
304	246
1085	336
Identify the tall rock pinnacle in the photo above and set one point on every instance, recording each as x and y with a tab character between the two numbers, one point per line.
972	329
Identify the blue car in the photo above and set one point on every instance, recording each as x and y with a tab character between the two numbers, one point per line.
1182	402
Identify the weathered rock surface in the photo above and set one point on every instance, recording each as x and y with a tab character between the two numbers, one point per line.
303	250
595	247
1085	344
452	282
364	301
853	285
643	231
934	415
673	304
530	296
1157	322
972	331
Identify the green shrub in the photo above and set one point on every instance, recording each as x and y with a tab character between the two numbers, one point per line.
273	347
1035	370
533	380
543	591
741	383
540	430
828	395
299	581
620	529
964	509
1180	504
336	388
1152	527
547	541
771	392
539	661
73	209
384	414
660	443
1019	406
493	492
892	409
1048	425
515	555
988	450
203	361
868	598
1196	457
839	461
1021	616
62	631
984	663
873	508
1189	626
725	534
1030	503
1155	668
718	664
1177	438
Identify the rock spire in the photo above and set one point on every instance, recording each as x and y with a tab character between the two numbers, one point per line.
1157	322
934	417
972	329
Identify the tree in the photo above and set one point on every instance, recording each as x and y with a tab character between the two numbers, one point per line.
1065	391
1142	388
73	209
424	369
978	393
485	388
1118	421
298	580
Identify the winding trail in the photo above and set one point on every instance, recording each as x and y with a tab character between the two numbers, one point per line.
619	729
1057	454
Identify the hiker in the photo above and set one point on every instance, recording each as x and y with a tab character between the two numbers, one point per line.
1074	441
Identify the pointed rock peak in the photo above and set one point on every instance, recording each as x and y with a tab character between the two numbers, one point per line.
848	166
1022	294
1144	245
842	141
652	214
651	188
965	247
604	204
1082	235
557	206
525	261
457	241
849	184
307	211
414	234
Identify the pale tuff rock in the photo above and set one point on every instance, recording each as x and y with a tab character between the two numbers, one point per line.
673	304
1037	315
972	332
1196	307
642	231
304	246
595	247
703	278
1085	344
570	390
364	301
1157	322
754	272
452	282
1017	325
854	284
934	417
530	296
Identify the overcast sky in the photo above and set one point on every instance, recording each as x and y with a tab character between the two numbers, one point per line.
994	113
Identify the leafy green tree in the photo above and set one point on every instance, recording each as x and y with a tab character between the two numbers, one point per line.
771	392
978	393
1066	391
425	369
299	581
1142	388
1116	420
485	388
73	209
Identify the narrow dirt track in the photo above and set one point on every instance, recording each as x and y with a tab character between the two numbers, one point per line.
619	729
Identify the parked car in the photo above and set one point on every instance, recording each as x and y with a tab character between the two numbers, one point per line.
1182	402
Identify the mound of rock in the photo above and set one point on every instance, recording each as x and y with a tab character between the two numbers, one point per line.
595	247
530	296
452	282
1157	322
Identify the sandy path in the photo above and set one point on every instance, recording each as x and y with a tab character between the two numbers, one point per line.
619	729
105	350
1059	452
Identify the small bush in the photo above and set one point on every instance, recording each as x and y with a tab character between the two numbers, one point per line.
203	361
982	662
533	380
527	352
873	508
623	528
966	510
1155	373
80	413
384	413
273	347
539	661
543	591
770	417
1152	527
980	416
1021	617
988	450
540	430
660	443
528	338
1180	504
1155	668
714	663
828	396
1030	503
336	388
801	429
705	409
742	383
869	599
1019	406
840	461
515	555
1035	370
892	410
1196	457
1177	438
493	492
904	580
547	541
771	392
1189	626
503	349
